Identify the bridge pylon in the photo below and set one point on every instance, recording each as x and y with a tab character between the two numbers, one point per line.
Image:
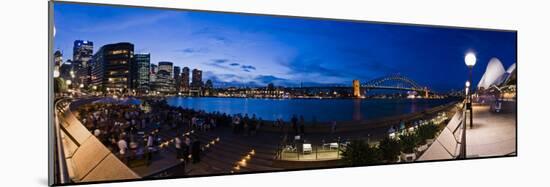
356	89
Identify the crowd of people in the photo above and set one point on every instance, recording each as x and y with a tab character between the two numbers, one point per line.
296	125
136	131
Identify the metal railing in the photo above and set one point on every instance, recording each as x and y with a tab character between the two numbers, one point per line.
462	154
60	167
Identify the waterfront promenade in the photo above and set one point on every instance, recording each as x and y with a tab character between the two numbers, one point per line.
493	134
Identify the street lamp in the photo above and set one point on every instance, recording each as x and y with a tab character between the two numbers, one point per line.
467	88
68	83
55	73
470	60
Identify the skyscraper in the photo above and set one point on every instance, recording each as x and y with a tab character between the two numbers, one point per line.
184	80
58	60
142	73
111	65
65	70
167	66
164	80
154	68
208	87
82	54
153	74
196	81
177	78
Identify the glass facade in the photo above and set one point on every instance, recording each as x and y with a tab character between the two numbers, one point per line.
143	62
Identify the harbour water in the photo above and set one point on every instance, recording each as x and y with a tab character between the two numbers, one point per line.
320	110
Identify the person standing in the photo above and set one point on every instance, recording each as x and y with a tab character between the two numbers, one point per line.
177	144
150	148
122	148
196	150
236	122
252	125
246	123
186	148
294	122
302	125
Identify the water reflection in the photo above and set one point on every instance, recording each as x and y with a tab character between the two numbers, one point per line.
357	109
322	110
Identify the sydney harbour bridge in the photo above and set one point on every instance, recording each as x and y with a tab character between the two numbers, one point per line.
389	82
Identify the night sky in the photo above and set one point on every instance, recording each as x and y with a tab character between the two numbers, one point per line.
250	49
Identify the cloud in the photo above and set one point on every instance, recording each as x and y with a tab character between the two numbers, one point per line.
234	64
248	68
218	65
239	80
212	33
220	61
268	78
191	50
228	80
364	59
305	66
277	81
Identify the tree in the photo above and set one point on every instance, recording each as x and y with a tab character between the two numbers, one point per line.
390	149
359	153
426	132
408	142
59	85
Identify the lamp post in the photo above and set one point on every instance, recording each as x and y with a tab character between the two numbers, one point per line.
470	60
463	141
467	89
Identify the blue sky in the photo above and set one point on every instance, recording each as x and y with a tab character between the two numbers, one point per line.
245	49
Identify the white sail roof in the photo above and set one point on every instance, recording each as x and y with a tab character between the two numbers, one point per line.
493	74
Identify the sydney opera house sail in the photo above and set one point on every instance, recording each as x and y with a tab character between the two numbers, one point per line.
496	75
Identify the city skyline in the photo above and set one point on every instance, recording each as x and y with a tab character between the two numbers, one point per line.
285	51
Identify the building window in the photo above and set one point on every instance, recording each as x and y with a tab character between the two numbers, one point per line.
116	52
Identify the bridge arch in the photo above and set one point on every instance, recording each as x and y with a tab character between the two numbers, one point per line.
396	81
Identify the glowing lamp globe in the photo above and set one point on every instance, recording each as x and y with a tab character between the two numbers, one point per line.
55	73
467	84
470	59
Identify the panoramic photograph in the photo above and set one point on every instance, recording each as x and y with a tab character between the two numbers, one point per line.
151	93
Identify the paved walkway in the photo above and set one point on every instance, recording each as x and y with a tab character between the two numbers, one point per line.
493	134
